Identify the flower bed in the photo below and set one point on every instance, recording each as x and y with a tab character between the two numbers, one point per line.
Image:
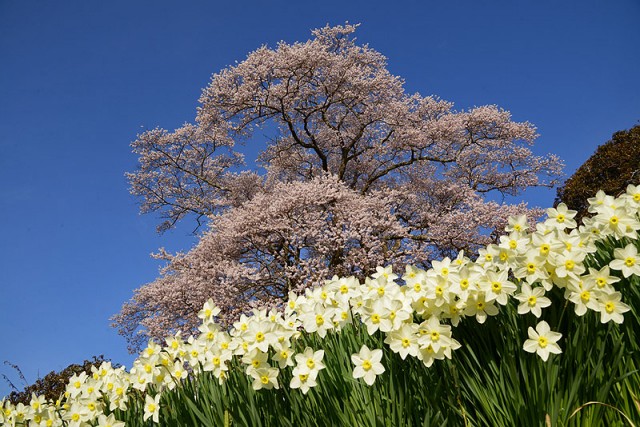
447	345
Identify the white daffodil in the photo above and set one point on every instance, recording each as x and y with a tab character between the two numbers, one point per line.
626	260
434	334
303	381
309	361
404	340
497	286
255	359
583	296
617	221
367	364
76	415
611	307
601	199
542	341
531	267
283	355
532	300
517	224
560	217
151	408
632	196
265	377
568	263
602	279
209	311
109	421
479	307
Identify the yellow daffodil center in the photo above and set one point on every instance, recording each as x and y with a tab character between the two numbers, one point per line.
435	336
381	291
614	220
405	342
292	305
480	305
513	244
417	287
344	289
488	257
319	319
392	315
464	284
303	377
445	271
259	337
585	296
75	417
496	286
569	264
310	363
560	218
244	327
609	307
532	300
366	365
151	407
544	249
439	291
542	342
531	268
264	379
629	261
375	318
77	384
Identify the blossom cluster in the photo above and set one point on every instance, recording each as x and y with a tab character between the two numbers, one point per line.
414	313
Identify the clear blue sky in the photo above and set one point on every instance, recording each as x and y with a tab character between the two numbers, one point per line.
79	80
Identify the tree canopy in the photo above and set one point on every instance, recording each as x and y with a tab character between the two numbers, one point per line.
614	165
358	173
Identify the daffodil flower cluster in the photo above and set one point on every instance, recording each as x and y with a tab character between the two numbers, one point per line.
413	313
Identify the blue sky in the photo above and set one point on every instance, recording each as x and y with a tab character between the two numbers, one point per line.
79	80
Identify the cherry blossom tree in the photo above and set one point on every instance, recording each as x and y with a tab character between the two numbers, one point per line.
358	174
